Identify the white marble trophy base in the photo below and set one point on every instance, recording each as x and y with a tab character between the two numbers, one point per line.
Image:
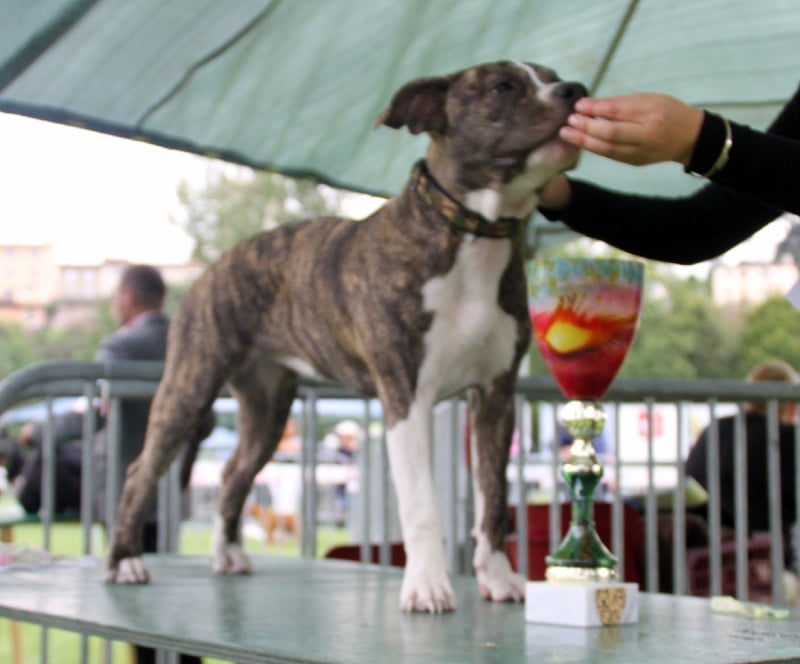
582	604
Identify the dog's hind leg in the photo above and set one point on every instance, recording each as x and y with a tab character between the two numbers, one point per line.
166	434
264	392
490	442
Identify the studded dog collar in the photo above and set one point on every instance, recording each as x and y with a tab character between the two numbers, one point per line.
433	195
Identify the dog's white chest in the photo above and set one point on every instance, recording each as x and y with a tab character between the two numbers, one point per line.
471	339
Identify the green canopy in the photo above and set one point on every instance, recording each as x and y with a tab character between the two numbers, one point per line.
294	85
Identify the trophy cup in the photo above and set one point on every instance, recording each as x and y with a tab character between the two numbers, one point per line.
584	313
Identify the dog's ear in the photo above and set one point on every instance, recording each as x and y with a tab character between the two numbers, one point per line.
419	105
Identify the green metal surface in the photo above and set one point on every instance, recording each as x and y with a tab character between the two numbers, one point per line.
302	610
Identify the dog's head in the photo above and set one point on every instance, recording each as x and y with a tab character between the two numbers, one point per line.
492	127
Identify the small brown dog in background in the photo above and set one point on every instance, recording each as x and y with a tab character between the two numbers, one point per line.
271	522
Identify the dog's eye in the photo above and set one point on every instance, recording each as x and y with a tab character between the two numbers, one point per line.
502	88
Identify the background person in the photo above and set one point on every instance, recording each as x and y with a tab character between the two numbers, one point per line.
343	441
756	454
26	466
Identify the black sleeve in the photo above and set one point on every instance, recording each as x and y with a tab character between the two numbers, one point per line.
756	186
30	494
764	166
677	230
696	465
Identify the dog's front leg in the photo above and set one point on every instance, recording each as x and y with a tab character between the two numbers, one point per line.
426	583
490	442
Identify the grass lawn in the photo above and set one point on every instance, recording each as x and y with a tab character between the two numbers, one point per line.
65	647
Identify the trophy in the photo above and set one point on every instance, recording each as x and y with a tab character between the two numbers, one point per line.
584	313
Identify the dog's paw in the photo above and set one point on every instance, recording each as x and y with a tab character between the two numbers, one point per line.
498	582
127	570
231	559
427	591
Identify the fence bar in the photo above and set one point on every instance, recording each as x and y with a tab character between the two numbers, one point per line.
618	512
308	533
651	505
774	482
87	467
450	476
48	498
384	553
522	493
555	496
714	503
740	502
113	457
365	487
679	582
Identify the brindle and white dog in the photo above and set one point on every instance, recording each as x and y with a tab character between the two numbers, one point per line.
423	299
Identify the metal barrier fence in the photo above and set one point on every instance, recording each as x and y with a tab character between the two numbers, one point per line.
534	468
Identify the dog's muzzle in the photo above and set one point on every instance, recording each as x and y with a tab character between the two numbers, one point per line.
570	92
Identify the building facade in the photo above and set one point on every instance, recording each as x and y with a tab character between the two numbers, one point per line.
752	283
36	292
28	283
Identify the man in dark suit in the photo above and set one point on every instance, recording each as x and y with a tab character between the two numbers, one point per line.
142	335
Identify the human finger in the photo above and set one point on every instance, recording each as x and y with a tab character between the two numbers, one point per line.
611	108
630	133
630	153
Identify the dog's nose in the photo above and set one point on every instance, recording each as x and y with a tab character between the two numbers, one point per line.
569	93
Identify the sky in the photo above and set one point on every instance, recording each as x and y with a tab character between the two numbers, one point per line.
95	197
90	195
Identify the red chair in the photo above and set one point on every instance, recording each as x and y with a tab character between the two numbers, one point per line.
397	554
759	569
539	538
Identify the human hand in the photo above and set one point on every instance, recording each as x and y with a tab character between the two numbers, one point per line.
639	128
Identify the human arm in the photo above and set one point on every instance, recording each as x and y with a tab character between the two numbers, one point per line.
753	187
678	230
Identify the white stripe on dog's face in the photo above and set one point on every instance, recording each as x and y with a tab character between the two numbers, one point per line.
532	73
543	87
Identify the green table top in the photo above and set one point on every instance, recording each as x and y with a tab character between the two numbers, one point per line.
302	610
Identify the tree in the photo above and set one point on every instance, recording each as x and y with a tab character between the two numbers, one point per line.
16	348
681	332
233	205
20	347
771	331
